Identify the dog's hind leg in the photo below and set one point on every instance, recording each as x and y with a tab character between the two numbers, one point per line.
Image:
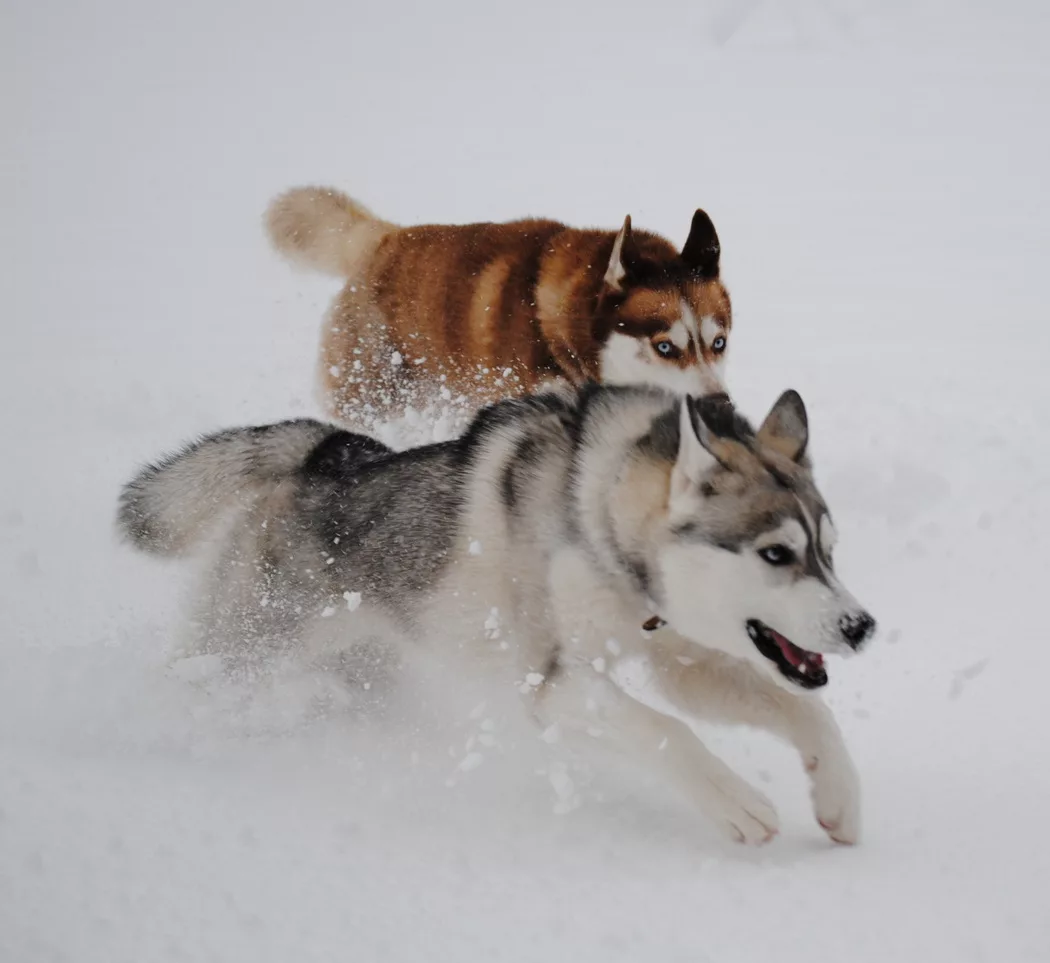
591	707
715	688
363	376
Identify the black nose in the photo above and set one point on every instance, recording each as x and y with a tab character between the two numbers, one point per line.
857	628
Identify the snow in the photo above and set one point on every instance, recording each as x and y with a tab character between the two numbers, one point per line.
471	761
877	173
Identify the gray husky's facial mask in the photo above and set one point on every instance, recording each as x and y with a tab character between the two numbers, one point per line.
747	567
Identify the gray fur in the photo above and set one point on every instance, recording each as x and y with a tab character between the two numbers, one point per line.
170	502
574	519
323	510
317	511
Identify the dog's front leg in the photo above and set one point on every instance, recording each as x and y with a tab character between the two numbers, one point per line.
717	688
591	707
584	698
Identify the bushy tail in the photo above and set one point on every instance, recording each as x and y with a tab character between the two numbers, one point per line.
172	504
324	229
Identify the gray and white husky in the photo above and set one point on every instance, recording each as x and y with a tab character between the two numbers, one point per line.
539	544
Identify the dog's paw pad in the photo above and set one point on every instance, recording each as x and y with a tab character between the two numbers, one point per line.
836	803
838	834
749	831
751	822
746	840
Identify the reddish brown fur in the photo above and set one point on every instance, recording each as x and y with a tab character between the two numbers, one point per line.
488	310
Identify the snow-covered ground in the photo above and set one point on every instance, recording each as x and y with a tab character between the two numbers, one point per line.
877	172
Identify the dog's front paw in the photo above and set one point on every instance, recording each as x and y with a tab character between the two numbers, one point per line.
742	813
836	797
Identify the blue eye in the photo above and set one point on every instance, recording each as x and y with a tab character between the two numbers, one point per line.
777	555
665	348
718	345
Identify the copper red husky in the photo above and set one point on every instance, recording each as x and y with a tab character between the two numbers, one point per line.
489	310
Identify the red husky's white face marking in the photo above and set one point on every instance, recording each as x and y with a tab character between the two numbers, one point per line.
669	345
664	317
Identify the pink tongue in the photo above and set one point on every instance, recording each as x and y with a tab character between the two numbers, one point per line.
794	654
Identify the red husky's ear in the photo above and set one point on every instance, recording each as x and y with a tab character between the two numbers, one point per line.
702	250
618	261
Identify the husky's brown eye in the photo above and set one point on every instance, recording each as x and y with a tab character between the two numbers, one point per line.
718	345
666	348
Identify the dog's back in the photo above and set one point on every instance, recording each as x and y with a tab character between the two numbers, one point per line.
312	512
467	292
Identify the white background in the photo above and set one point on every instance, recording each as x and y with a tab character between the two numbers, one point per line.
877	172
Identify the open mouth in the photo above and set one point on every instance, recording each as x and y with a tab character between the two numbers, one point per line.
804	668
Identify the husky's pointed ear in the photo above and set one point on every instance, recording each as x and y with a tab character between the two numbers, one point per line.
699	448
616	270
693	457
786	428
702	250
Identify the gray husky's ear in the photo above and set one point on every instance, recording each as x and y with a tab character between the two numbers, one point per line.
702	250
699	448
694	460
617	268
786	428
